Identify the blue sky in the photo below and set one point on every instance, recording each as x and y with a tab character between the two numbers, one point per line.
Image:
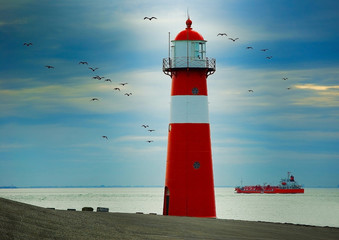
51	132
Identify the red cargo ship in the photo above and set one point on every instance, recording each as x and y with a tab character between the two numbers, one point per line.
287	185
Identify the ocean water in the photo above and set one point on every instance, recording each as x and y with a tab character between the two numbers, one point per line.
318	207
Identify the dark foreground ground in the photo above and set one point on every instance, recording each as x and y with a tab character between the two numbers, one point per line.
22	221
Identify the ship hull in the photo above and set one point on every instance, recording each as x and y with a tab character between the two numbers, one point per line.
271	191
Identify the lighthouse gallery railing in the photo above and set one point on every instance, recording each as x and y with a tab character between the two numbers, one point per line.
168	64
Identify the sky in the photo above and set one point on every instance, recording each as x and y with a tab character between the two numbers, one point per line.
51	130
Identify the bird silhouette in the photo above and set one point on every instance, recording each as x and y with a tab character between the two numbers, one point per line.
269	57
123	84
233	39
108	80
128	94
116	89
222	34
149	141
288	88
49	66
145	126
98	77
95	99
93	69
151	130
284	78
250	90
264	50
105	137
249	48
28	44
83	63
149	18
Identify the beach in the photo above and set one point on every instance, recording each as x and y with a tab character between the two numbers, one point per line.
23	221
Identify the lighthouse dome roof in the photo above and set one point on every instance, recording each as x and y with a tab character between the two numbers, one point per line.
188	33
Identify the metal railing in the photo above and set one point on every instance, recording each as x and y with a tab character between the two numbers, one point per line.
170	64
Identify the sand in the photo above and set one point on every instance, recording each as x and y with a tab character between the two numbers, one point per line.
23	221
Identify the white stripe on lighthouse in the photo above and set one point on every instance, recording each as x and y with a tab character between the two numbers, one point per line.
189	109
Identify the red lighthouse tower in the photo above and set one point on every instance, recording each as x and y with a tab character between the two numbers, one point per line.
189	186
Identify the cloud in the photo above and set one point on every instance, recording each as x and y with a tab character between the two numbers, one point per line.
47	116
228	89
316	87
150	94
324	96
13	146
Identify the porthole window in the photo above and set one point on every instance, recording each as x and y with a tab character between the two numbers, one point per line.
196	165
195	91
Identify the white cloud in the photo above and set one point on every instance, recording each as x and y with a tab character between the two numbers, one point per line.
316	87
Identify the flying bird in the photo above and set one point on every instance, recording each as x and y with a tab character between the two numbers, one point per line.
233	39
105	137
145	126
151	130
83	63
98	77
149	141
94	99
116	89
28	44
288	88
123	84
222	34
108	80
264	50
149	18
249	48
269	57
128	94
284	78
93	69
250	90
49	66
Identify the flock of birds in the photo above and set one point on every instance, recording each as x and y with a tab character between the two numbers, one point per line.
97	77
251	48
144	126
149	130
223	34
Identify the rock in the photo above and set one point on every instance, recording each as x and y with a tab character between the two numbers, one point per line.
102	209
87	209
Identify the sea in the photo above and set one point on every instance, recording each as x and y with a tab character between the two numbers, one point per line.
317	206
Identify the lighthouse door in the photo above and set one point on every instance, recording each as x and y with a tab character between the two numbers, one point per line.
166	201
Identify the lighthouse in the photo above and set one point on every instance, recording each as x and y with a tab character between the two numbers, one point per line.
189	185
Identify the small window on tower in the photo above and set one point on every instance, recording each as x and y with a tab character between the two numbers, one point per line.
196	165
195	91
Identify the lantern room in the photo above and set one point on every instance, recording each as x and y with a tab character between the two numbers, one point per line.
188	50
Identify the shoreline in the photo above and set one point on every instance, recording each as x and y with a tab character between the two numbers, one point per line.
24	221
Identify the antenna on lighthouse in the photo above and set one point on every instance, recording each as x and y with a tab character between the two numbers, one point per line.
169	46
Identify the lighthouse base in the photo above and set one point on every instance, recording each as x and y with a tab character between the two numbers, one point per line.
189	186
